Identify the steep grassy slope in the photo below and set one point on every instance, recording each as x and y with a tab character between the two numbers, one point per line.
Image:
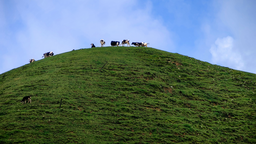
127	95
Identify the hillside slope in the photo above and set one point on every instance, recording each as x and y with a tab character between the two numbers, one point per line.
126	95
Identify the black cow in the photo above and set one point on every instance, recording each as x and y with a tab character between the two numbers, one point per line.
138	44
93	46
26	98
115	43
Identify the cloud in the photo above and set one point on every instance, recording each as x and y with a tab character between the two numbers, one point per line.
223	52
60	26
238	18
230	23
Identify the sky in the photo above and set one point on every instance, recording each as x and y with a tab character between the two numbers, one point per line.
221	32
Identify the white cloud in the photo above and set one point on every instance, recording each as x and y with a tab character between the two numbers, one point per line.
61	26
237	18
229	34
223	52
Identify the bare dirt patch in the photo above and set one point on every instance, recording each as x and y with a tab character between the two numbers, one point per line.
157	109
168	90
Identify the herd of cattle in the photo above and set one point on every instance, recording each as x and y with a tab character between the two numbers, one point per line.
102	42
117	43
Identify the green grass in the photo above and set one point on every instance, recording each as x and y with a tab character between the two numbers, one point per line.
141	95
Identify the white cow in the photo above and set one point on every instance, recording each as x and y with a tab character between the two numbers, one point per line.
102	42
31	60
144	44
125	42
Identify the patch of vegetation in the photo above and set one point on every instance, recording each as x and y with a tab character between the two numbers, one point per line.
127	95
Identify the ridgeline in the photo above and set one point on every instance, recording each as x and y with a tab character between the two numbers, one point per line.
127	95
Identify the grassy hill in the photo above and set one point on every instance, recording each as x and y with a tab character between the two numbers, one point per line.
127	95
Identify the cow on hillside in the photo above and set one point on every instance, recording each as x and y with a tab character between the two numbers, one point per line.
93	46
144	44
48	54
31	60
137	44
26	98
125	42
102	42
115	43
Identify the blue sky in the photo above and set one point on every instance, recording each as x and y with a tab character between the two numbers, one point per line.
221	32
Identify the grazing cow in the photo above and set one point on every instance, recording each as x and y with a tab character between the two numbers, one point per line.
102	42
125	42
31	60
115	43
93	46
144	44
26	98
48	54
138	44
